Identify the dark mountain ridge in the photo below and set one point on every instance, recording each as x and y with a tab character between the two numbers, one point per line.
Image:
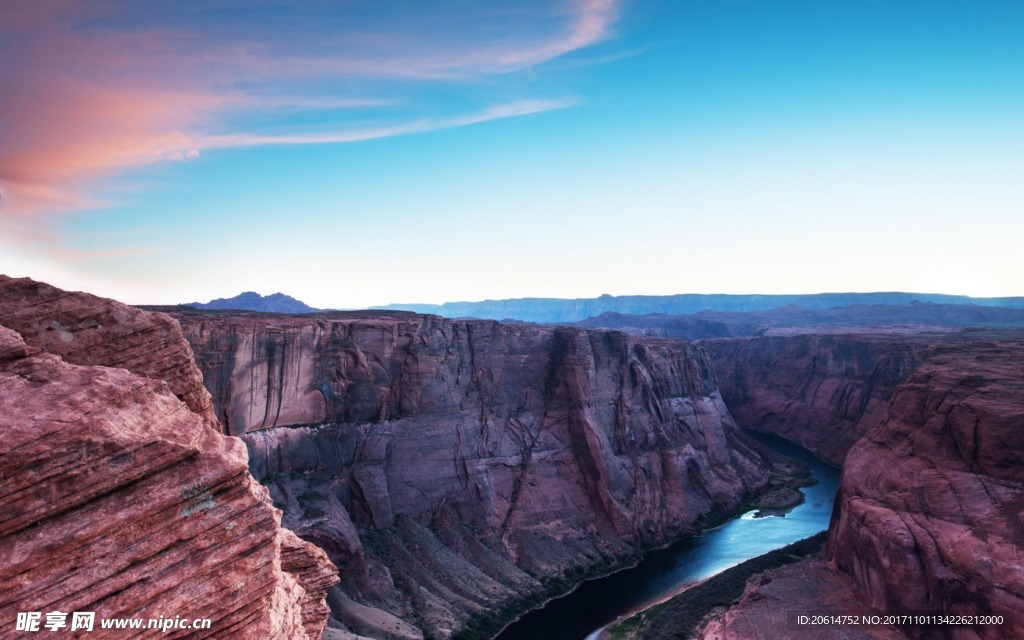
794	319
252	301
555	310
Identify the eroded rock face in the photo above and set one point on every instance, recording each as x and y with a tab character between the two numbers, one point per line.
453	467
824	392
120	495
806	587
930	513
118	500
86	329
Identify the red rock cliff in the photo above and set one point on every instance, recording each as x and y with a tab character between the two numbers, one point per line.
930	512
451	466
86	329
824	392
118	498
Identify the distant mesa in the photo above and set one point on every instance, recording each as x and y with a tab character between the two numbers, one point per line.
789	320
558	310
252	301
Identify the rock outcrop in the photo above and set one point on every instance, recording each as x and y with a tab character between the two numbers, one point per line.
119	498
930	511
453	469
824	392
86	329
809	586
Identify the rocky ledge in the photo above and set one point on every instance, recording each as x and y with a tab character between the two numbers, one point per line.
86	329
118	497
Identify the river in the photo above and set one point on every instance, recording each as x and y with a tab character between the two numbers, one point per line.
664	572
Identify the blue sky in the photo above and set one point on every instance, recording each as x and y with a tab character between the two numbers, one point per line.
361	153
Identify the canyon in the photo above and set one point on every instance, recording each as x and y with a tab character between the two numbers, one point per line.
928	517
930	431
930	508
824	392
385	474
456	469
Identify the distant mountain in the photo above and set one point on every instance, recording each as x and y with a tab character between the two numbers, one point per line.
784	320
573	310
252	301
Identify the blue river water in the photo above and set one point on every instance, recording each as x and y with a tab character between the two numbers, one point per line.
664	572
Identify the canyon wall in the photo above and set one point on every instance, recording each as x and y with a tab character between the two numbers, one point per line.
119	498
930	511
823	392
460	470
453	469
928	517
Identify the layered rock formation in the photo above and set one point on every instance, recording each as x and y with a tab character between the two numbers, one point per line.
454	468
824	392
930	512
86	329
764	610
118	497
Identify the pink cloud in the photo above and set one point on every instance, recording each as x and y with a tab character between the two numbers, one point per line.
93	90
72	254
591	22
65	134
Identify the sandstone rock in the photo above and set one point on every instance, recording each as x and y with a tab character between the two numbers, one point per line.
86	329
806	586
824	392
313	571
450	468
929	513
118	500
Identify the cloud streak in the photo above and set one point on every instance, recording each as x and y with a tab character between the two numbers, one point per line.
94	90
498	112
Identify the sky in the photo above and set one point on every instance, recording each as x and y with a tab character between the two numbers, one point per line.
356	153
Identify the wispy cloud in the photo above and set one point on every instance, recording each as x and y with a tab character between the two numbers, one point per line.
510	110
92	90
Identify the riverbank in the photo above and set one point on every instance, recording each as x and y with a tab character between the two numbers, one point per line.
681	616
703	551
